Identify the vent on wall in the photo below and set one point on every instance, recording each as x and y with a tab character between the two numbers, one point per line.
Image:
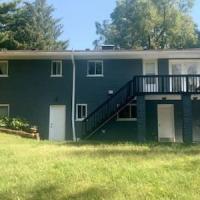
108	47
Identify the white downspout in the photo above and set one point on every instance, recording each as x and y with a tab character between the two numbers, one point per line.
73	97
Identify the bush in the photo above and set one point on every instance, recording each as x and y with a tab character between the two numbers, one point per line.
4	122
15	124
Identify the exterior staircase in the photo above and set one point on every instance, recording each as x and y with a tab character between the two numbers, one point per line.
139	85
109	109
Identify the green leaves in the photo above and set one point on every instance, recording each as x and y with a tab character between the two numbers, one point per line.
149	24
30	26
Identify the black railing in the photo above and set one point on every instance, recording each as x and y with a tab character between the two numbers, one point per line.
167	84
140	85
108	109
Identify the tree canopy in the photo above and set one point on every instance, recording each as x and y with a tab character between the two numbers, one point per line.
149	24
25	25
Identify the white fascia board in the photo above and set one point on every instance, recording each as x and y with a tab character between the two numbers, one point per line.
159	54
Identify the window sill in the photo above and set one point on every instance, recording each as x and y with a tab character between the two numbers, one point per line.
79	120
97	76
127	120
56	76
3	76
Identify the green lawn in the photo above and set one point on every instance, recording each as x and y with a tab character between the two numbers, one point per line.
42	170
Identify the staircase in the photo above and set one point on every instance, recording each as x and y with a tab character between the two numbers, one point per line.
139	85
109	109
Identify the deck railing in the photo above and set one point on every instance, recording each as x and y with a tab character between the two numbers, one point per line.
139	85
167	84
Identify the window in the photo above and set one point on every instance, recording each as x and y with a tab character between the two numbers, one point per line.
129	113
150	68
56	68
4	110
95	68
3	68
81	112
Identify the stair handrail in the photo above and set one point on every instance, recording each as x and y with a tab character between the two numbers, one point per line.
108	100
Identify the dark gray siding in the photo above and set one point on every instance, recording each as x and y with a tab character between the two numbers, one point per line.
152	119
128	130
30	91
94	90
196	120
163	66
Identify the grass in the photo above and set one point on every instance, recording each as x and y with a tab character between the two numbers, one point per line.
31	170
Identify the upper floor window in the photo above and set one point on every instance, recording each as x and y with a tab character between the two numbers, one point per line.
95	68
56	68
3	68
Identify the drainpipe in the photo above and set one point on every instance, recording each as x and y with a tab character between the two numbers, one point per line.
73	97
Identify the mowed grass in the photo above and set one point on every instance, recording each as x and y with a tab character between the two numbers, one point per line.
88	171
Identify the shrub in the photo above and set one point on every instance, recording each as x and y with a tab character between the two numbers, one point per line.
19	124
4	122
15	124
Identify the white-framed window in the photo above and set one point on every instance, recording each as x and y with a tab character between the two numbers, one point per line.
150	67
4	110
3	68
95	68
129	113
81	112
56	68
184	66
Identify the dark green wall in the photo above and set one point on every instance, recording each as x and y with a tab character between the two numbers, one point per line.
94	90
30	91
163	66
128	130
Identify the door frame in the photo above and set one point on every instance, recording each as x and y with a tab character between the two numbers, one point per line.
145	85
173	135
50	119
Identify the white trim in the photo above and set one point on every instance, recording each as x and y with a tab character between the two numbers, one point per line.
160	97
126	119
77	105
6	105
61	70
73	97
145	61
85	55
4	75
95	75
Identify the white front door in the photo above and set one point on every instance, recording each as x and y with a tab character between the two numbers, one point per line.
166	129
57	123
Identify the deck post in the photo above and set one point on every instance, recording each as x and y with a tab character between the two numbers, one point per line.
187	119
141	118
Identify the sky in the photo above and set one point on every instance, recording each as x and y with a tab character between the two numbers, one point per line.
79	16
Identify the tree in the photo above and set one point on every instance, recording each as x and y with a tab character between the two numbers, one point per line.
150	24
7	11
31	26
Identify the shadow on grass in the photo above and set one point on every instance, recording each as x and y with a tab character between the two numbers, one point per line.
91	193
56	192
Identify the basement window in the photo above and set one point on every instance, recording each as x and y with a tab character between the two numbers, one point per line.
4	110
95	68
129	113
3	68
81	112
56	68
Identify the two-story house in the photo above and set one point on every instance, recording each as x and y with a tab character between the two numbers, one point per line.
104	95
